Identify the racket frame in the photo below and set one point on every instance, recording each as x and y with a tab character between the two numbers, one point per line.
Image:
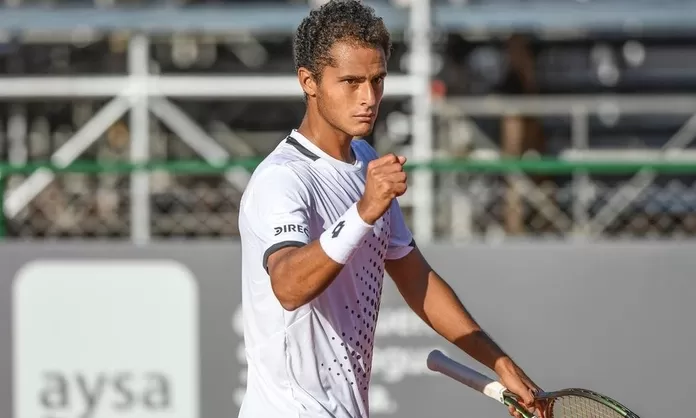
441	363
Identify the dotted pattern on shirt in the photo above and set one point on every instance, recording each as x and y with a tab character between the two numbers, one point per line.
358	345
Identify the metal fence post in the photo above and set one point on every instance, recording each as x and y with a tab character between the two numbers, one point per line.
3	225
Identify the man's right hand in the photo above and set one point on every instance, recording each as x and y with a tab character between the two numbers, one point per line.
386	180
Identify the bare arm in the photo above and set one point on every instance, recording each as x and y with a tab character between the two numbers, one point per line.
434	301
298	275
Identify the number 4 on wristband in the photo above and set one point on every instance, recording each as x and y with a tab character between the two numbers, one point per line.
337	229
350	230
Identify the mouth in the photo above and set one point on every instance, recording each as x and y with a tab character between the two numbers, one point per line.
365	117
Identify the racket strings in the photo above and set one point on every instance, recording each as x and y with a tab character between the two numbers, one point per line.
580	407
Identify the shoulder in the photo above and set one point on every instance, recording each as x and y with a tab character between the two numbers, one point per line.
281	176
278	176
283	168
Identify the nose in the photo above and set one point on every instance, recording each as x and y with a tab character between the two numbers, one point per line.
368	95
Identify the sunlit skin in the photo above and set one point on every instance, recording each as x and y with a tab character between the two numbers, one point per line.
343	103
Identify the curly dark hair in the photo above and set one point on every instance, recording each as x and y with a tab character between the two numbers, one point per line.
337	20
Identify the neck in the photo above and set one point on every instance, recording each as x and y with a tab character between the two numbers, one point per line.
328	138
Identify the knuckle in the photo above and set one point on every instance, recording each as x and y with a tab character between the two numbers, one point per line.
390	157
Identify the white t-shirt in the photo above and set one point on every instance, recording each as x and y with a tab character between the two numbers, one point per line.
314	362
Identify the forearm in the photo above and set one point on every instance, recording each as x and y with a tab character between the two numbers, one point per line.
436	303
447	316
301	274
298	275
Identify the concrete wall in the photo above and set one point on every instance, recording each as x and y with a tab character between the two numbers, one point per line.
615	318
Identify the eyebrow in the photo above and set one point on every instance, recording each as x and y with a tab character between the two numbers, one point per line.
355	77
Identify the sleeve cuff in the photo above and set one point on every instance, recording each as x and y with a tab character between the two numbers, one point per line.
277	246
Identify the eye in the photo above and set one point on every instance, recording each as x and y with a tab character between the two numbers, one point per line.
351	81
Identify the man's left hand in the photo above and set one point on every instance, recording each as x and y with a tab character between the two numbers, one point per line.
517	382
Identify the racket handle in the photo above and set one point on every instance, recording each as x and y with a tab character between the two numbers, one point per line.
439	362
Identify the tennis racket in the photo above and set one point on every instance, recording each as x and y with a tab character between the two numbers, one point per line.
566	403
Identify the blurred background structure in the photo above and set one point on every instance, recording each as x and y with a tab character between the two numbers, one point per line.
560	124
108	81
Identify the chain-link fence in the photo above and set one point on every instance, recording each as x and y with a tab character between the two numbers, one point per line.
84	205
496	207
185	199
476	200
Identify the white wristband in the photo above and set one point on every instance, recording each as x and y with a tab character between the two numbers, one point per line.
342	239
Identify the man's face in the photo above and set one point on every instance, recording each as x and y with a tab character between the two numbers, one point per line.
350	91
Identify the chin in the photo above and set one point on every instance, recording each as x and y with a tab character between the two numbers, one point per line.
361	130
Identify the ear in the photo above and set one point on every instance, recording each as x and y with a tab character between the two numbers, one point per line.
307	81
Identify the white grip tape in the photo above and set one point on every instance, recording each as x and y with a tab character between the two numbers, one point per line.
495	390
343	238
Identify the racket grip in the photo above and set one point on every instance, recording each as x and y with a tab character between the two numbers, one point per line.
439	362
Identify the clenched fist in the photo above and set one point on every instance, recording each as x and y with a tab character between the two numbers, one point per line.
386	180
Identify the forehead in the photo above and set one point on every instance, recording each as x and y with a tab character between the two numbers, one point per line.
353	58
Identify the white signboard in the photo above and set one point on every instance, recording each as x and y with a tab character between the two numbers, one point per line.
105	339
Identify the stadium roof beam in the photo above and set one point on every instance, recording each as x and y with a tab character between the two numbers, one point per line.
284	18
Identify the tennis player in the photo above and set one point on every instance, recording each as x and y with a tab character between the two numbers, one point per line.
320	224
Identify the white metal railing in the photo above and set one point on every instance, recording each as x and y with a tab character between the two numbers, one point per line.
144	94
578	108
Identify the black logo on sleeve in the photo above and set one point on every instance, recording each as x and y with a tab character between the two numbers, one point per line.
337	229
290	228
